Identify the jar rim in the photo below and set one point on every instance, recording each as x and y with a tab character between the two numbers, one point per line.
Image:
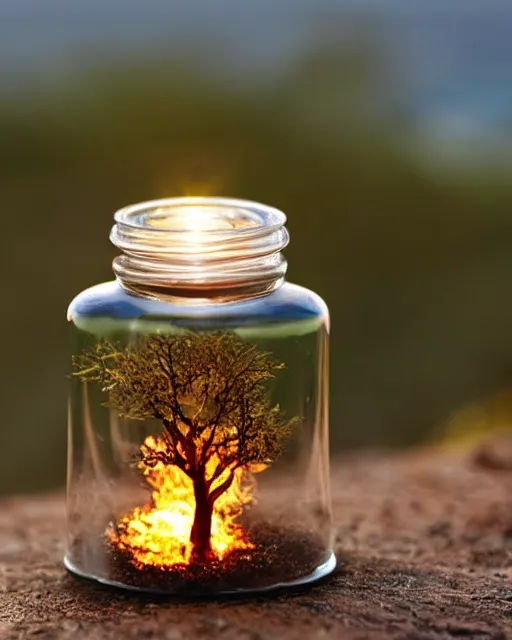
266	217
200	246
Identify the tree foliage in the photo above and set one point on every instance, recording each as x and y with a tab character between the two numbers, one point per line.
208	390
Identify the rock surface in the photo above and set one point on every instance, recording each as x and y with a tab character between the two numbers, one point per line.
424	545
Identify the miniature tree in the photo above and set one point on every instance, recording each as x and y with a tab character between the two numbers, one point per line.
209	392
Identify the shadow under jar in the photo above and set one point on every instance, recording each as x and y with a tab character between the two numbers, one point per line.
198	416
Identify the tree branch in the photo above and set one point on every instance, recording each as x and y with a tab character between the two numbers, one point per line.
178	438
218	491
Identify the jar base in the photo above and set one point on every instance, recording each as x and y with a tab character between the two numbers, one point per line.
318	573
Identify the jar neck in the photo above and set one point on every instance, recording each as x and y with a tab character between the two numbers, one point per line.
200	249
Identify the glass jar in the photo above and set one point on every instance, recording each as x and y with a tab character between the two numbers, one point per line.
198	416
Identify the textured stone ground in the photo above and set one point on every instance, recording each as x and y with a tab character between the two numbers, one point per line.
424	542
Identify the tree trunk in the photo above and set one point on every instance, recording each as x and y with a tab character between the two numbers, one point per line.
200	536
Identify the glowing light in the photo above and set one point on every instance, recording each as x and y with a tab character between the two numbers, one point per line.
159	534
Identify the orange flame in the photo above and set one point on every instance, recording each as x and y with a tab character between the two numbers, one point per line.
159	533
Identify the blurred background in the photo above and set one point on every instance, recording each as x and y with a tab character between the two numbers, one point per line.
383	129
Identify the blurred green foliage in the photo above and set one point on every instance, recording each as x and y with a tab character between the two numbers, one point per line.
415	266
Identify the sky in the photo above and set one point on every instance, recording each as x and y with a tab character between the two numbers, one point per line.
453	57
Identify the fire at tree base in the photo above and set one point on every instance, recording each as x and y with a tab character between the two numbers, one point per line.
279	557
